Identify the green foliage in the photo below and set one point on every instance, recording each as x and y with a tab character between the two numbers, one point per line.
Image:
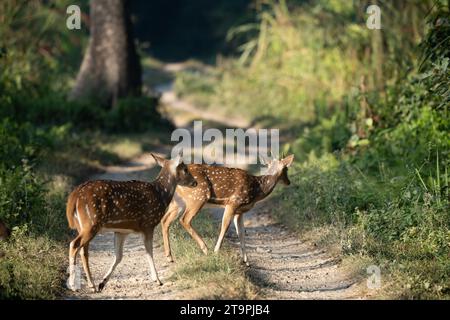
308	56
31	267
18	142
35	76
197	81
33	41
134	114
329	135
435	44
21	195
398	220
369	114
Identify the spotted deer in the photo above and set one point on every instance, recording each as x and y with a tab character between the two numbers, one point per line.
122	207
234	189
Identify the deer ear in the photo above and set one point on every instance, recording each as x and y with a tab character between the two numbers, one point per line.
174	162
159	160
288	160
177	160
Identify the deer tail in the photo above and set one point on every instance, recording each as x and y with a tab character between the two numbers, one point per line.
70	209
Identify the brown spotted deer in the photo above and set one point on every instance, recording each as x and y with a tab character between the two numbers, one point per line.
122	207
234	189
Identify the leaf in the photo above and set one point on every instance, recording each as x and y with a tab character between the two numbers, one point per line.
363	142
369	122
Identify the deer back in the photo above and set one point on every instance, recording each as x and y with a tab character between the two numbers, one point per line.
127	205
221	185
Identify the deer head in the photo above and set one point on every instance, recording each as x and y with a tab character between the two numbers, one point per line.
279	168
176	168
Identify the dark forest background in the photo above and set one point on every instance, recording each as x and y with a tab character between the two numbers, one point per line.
179	30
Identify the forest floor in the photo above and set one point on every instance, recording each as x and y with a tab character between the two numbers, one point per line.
282	265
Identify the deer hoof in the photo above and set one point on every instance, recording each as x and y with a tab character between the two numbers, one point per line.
72	288
101	286
71	285
169	259
158	282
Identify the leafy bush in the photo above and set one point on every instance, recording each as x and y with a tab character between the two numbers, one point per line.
23	194
134	114
328	135
21	197
31	267
400	220
308	56
326	190
53	109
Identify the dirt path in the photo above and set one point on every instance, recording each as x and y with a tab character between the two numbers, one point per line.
283	266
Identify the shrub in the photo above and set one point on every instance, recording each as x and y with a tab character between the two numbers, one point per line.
134	114
21	197
401	220
21	194
31	267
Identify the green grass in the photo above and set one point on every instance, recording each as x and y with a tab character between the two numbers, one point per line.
33	267
397	222
213	276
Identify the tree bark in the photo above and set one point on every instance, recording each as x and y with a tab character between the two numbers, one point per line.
111	68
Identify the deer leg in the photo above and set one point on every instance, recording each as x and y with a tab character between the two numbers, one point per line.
171	214
73	250
84	252
78	243
239	225
119	240
148	243
226	220
186	221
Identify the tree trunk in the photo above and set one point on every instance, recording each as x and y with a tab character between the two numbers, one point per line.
111	68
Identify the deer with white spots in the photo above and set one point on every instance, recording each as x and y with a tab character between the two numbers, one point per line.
122	207
234	189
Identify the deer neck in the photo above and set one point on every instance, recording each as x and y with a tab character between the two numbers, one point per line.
166	185
267	183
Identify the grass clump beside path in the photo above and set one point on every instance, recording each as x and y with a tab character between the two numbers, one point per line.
212	276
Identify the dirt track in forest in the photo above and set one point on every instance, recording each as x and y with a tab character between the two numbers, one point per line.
282	265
